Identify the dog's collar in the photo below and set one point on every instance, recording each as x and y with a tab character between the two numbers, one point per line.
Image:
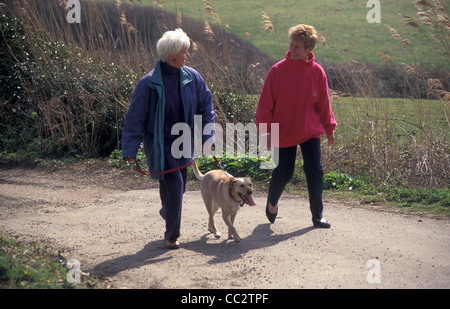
241	202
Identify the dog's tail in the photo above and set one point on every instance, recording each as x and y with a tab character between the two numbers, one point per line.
197	172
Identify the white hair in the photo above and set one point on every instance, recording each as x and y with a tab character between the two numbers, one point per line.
171	43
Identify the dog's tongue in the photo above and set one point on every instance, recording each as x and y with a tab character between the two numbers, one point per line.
250	201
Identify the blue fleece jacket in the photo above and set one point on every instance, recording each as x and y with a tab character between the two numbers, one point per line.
145	119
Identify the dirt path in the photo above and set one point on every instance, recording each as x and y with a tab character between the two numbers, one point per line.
108	220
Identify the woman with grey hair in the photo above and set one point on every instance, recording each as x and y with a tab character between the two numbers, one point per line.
171	93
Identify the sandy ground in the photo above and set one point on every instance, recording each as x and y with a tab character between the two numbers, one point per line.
108	220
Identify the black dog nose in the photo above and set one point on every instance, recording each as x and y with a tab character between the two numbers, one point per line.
249	192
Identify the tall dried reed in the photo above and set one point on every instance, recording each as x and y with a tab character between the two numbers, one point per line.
268	26
105	55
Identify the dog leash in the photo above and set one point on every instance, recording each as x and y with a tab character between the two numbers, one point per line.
218	163
223	170
139	169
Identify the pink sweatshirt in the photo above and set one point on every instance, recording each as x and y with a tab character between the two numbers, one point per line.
295	95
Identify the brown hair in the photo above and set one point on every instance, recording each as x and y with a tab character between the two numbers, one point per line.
305	34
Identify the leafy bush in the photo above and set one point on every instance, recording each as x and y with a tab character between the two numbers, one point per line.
235	108
238	167
116	160
334	180
55	99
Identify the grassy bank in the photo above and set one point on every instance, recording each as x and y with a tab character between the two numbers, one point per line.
34	265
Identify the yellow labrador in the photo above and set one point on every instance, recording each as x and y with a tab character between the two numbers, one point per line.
220	189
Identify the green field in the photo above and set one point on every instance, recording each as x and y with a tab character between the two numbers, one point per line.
342	23
406	115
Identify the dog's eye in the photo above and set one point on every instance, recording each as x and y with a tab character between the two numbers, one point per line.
242	185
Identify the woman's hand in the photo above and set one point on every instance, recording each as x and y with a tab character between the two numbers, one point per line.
130	159
330	138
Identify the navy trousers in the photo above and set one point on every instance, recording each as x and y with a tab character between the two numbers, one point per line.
312	167
171	190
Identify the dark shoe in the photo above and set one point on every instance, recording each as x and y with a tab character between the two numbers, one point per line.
269	215
322	225
171	244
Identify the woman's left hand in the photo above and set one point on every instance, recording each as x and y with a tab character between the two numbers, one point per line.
330	138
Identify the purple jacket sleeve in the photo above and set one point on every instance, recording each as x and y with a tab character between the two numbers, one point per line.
135	121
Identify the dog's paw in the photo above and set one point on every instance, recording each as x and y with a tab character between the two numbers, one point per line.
236	238
215	232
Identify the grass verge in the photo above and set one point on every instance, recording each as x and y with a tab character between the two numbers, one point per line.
33	265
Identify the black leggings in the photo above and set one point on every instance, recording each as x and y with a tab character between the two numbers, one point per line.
312	166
